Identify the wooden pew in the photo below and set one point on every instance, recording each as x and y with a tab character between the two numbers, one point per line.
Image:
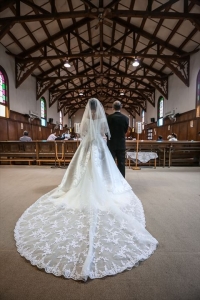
171	153
184	152
56	152
46	152
16	151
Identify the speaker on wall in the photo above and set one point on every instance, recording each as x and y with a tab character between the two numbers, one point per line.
50	120
152	120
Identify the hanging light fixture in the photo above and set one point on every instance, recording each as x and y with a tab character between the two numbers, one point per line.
81	93
67	64
135	63
122	93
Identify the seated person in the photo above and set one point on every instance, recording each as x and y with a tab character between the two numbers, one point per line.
52	137
60	137
160	138
72	136
172	137
67	135
25	137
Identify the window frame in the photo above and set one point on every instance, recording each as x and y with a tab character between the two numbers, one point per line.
198	95
160	119
61	120
143	117
43	116
6	104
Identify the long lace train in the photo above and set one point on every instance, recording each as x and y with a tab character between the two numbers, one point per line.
92	225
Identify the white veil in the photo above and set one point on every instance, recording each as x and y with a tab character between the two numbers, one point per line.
94	121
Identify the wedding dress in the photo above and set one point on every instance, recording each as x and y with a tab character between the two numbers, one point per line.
91	225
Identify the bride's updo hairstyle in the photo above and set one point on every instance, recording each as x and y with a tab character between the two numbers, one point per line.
94	121
93	104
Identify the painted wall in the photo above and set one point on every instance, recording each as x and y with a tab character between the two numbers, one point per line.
181	98
23	98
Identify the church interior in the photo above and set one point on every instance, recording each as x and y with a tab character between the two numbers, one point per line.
54	56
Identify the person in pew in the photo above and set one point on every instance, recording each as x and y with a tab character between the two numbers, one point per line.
118	125
25	137
160	138
60	137
172	137
92	224
52	137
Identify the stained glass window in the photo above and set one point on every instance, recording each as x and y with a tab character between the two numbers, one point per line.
3	93
160	111
198	96
43	112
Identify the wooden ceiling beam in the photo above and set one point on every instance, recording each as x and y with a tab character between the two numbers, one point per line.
34	6
195	23
45	16
148	36
5	4
88	3
69	79
90	46
165	6
100	76
4	29
54	37
99	88
103	54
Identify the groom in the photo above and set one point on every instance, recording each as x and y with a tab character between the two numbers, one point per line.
118	125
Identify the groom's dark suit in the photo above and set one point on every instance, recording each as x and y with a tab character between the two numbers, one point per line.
118	125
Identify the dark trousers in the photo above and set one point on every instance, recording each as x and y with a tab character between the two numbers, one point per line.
120	156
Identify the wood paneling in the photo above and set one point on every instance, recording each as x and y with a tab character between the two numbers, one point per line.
12	130
3	129
181	127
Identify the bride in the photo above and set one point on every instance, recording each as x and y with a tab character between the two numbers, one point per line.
91	225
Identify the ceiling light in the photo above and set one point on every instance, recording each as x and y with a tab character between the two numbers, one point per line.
121	93
135	63
80	93
67	64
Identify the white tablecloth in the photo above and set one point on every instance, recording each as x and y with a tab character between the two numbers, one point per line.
142	156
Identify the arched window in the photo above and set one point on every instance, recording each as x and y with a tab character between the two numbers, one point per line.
43	112
142	119
198	96
160	113
4	103
61	120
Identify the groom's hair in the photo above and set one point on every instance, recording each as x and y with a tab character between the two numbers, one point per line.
93	104
117	105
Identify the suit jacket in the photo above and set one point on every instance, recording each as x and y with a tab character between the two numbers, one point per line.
118	125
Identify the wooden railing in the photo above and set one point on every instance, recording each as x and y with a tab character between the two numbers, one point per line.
170	153
59	152
38	151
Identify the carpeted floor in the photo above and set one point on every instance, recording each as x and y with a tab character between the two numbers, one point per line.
171	200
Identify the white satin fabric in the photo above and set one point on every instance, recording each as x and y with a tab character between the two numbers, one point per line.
92	225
